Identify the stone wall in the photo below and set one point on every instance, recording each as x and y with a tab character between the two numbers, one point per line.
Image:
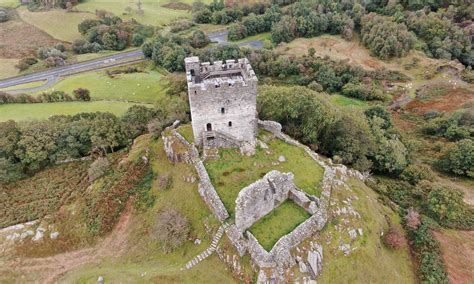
178	149
261	197
270	126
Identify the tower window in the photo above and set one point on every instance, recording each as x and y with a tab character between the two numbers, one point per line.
222	110
195	92
230	123
209	127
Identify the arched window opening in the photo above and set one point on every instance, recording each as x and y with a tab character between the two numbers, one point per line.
209	127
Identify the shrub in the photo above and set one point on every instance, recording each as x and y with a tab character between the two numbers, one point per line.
447	206
98	168
82	94
412	219
3	15
165	181
236	32
394	239
459	159
415	173
199	39
171	229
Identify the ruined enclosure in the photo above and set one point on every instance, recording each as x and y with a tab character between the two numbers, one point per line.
222	97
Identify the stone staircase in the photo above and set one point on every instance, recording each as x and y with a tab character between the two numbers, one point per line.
205	254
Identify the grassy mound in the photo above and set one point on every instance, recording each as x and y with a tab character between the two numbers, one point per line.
370	261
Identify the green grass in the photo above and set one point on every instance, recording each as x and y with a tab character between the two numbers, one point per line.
154	13
346	101
144	87
281	221
7	68
261	37
187	132
371	261
24	86
102	53
145	255
57	23
233	171
9	3
22	112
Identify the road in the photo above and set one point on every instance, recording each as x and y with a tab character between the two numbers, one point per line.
51	75
221	38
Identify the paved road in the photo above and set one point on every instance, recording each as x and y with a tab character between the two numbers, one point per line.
51	75
221	38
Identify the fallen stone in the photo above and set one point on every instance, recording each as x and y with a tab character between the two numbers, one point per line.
360	231
353	234
197	241
303	268
54	235
281	159
315	259
100	279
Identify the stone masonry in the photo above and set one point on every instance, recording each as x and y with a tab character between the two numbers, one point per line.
222	97
261	197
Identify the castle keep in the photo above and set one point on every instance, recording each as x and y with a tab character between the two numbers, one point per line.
222	97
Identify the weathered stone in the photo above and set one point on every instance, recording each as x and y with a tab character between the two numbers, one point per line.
353	234
54	235
315	260
302	266
222	98
261	197
100	279
197	241
281	159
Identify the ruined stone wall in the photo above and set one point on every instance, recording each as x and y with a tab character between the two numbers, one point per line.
261	197
188	153
270	126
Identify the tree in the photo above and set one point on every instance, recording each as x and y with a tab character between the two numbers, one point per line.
447	205
82	94
459	159
137	118
416	173
10	135
385	38
199	39
394	239
171	230
236	32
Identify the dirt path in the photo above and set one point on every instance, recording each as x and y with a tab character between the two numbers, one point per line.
49	269
457	248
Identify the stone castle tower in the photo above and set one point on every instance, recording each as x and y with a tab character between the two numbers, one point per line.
223	104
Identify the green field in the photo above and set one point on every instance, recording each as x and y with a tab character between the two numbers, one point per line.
25	86
144	87
154	13
261	37
57	23
7	67
233	171
346	101
281	221
22	112
9	3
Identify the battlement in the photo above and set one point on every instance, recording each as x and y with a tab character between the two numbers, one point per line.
223	100
231	73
